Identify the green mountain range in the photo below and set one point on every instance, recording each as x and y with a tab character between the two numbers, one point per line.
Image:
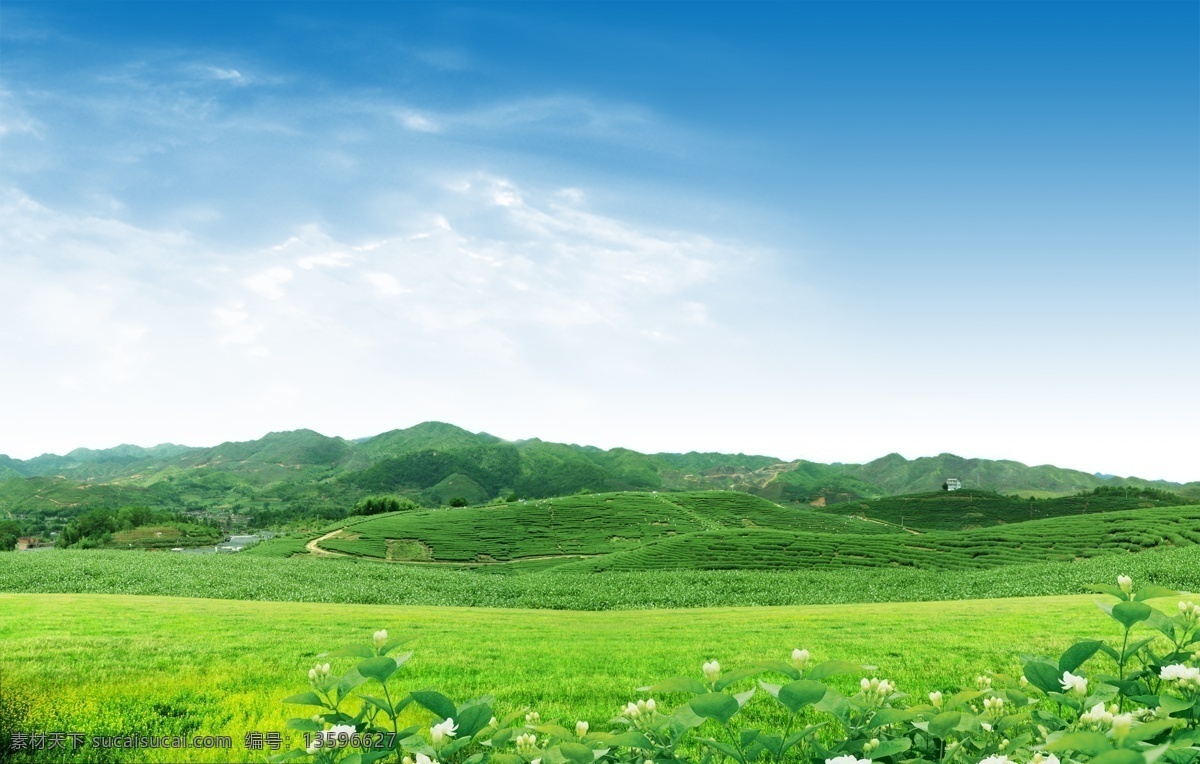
284	476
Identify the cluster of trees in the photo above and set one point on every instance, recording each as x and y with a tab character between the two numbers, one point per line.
96	527
377	505
9	533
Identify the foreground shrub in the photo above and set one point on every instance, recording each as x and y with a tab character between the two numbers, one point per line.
1057	711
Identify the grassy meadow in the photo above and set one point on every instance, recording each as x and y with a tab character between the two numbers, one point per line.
104	664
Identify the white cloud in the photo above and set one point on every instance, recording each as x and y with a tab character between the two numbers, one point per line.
417	122
228	75
269	283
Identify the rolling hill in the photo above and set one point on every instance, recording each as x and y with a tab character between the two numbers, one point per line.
286	476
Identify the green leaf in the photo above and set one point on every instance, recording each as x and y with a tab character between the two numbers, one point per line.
1159	621
302	725
1123	756
576	753
1043	676
380	667
439	704
630	739
1151	729
1131	650
306	699
833	668
677	684
944	723
506	758
725	749
1077	653
1108	589
799	735
716	705
379	703
392	644
803	692
962	698
349	681
743	697
889	716
471	719
280	758
891	747
1130	613
736	676
1153	591
780	667
1090	743
1172	704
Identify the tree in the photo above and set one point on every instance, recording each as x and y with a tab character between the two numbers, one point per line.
9	533
374	505
458	502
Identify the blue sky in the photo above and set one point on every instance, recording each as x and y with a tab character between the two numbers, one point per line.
822	231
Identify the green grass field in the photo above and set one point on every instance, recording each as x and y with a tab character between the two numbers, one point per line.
118	664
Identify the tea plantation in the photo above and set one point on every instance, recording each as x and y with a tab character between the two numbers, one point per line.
594	524
972	508
1058	539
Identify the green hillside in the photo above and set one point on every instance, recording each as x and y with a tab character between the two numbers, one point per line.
597	524
969	508
1056	539
300	479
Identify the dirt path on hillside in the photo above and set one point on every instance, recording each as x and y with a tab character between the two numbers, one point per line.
318	551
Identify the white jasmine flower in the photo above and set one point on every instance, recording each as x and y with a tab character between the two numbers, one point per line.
581	728
996	759
439	732
1071	682
423	759
1121	724
1098	716
650	704
983	682
492	722
526	742
1126	583
800	658
865	685
987	727
936	699
1024	681
533	717
712	671
847	759
631	711
1044	758
380	637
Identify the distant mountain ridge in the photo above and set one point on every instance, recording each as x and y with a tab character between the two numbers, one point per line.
302	472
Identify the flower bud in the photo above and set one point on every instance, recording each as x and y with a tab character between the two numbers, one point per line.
712	671
380	637
650	704
581	728
533	717
1126	583
936	699
1121	724
800	658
